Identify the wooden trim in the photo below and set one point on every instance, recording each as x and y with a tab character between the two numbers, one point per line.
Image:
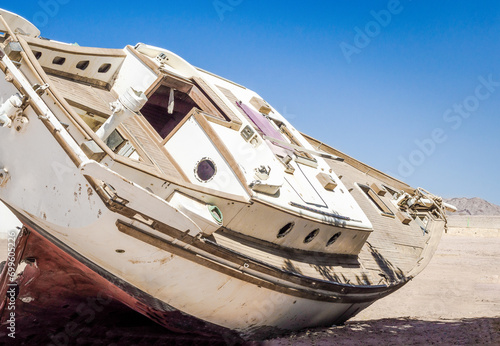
89	134
145	60
146	126
77	50
226	154
376	200
260	105
179	125
153	87
142	152
211	94
92	81
8	30
57	135
229	124
204	102
60	102
173	161
42	77
384	178
222	78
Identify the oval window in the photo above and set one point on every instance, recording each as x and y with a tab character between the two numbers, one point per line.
311	236
285	230
205	170
333	239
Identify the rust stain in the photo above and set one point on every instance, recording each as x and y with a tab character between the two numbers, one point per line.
161	261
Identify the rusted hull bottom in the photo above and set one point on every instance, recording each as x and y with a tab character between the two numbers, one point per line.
61	297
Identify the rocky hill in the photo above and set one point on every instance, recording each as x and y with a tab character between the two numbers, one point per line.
473	206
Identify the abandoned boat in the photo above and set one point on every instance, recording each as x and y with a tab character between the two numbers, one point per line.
142	179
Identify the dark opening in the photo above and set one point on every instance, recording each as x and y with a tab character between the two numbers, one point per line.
156	110
285	230
37	54
311	236
104	68
205	170
59	60
82	65
334	238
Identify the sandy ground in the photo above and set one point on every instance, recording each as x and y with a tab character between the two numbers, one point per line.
455	301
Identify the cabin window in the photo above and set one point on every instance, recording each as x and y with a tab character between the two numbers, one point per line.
310	237
59	60
163	112
104	68
372	196
285	230
333	238
82	65
37	54
205	170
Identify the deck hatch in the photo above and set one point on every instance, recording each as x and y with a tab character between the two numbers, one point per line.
377	201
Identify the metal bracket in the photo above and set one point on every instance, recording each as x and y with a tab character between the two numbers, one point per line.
40	89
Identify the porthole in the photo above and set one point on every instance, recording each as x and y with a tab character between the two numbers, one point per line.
285	230
59	60
311	236
37	54
82	65
205	170
334	238
104	68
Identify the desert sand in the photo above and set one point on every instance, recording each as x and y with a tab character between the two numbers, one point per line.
454	301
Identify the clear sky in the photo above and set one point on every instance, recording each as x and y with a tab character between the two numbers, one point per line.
409	87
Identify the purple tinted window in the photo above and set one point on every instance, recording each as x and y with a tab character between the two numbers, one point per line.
205	170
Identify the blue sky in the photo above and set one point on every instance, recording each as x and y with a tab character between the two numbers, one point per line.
409	87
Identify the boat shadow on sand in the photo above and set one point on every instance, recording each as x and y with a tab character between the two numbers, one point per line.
118	325
402	331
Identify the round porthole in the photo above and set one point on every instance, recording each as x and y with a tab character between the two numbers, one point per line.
311	236
285	230
205	170
333	239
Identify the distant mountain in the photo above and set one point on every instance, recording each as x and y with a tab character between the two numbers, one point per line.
473	206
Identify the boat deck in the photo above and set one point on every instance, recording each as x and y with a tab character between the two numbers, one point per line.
392	251
92	104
